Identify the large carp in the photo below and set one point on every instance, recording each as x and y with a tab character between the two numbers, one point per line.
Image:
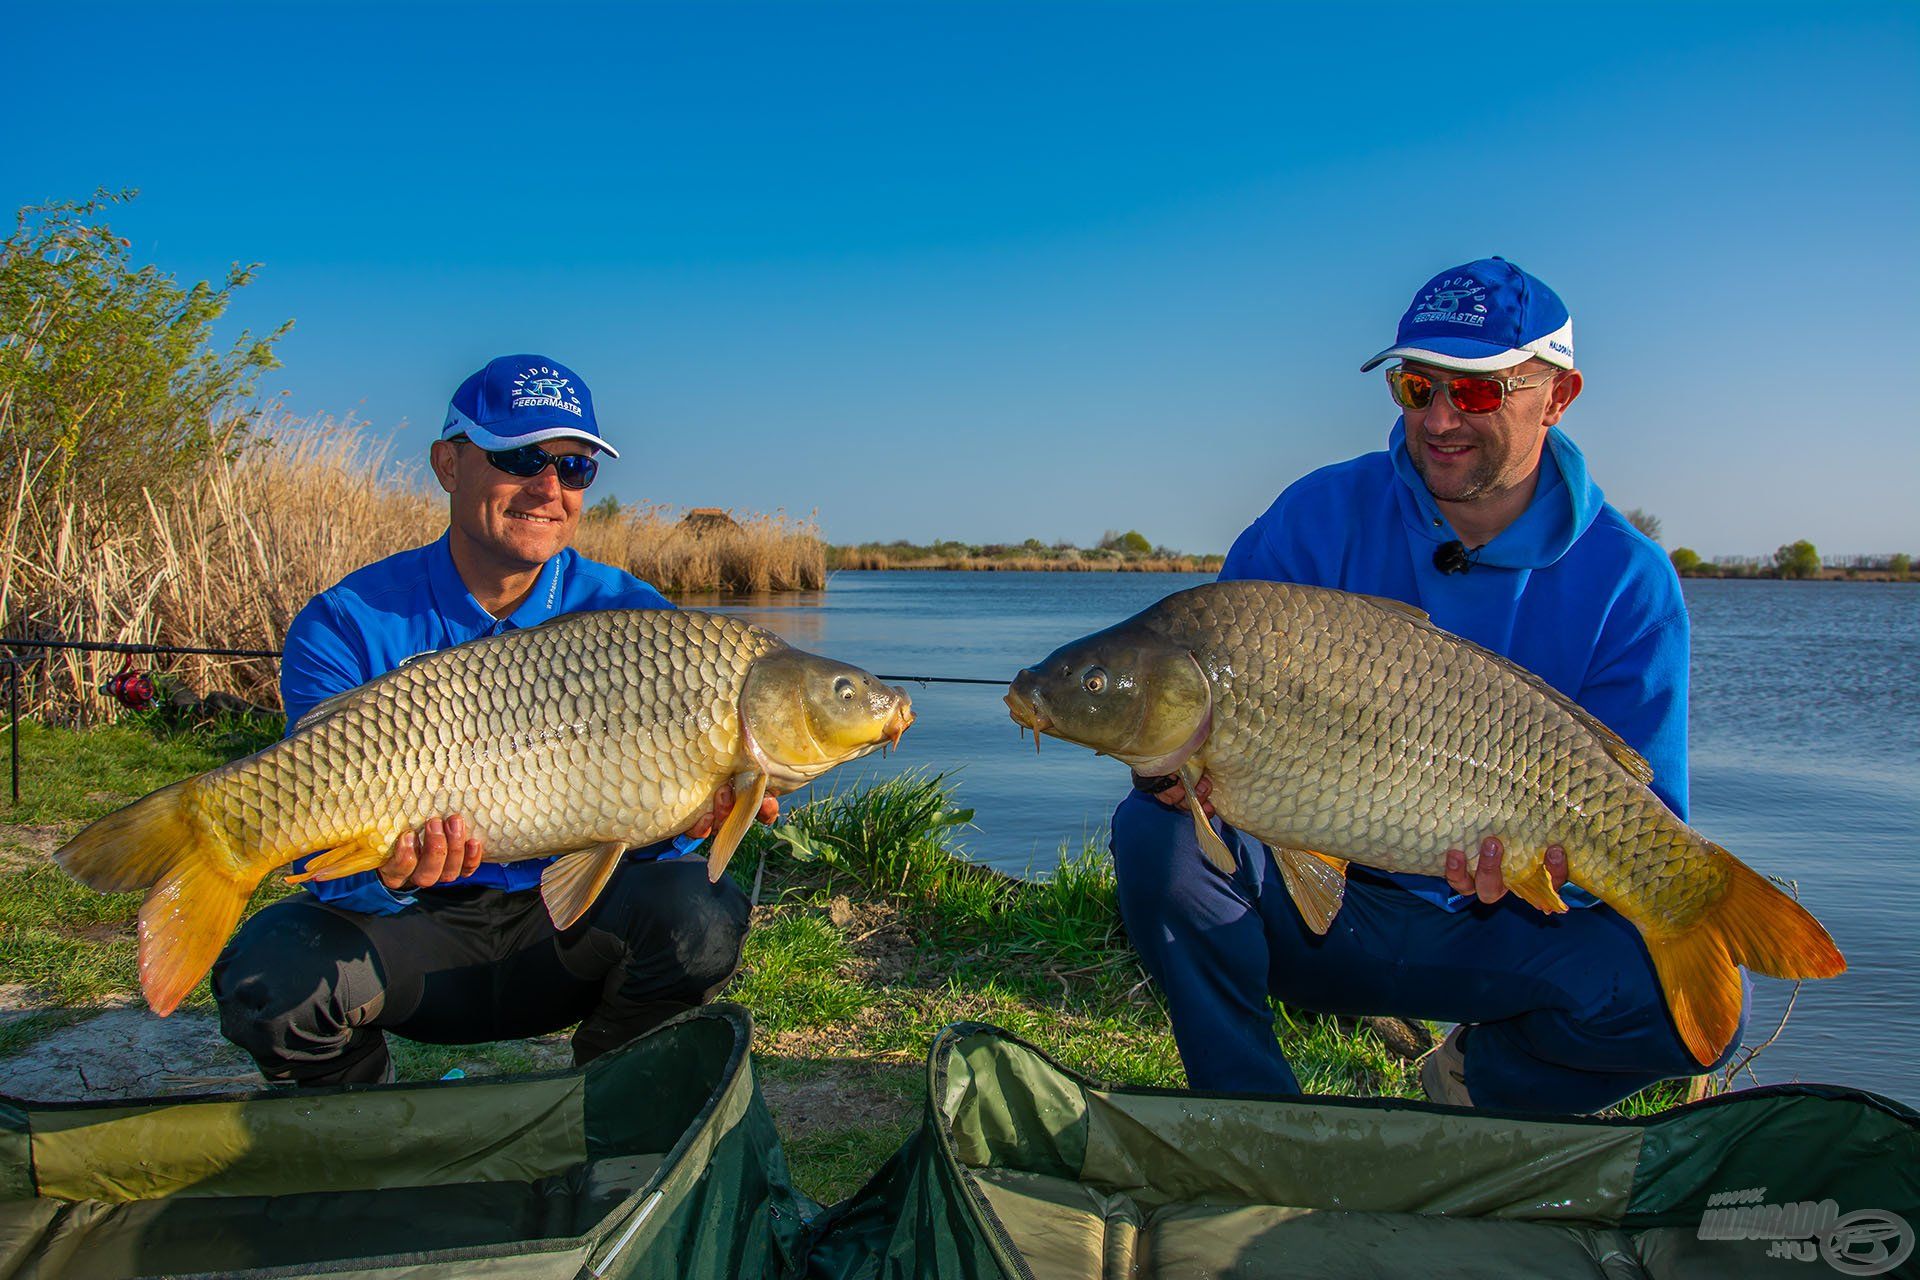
1337	727
579	738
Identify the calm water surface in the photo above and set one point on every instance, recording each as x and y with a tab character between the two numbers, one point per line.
1806	749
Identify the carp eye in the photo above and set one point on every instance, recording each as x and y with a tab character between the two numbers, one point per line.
843	689
1096	681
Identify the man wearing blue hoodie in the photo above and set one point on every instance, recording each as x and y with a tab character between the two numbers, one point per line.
1480	511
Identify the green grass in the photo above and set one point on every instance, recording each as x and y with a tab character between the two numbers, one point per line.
791	975
72	947
67	944
833	1165
69	776
1046	959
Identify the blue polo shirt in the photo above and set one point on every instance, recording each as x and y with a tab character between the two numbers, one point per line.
414	603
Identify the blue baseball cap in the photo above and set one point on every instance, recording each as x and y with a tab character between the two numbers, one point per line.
1484	316
520	400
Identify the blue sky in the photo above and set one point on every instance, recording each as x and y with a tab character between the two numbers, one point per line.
990	270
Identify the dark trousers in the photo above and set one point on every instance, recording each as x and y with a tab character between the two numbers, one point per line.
309	989
1567	1011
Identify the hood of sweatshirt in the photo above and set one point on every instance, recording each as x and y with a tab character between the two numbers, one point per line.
1564	505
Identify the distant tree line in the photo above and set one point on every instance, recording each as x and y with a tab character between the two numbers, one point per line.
1115	549
1795	560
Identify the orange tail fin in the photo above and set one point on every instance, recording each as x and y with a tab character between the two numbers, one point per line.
196	889
1753	924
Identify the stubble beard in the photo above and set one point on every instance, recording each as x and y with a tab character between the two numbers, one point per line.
1481	481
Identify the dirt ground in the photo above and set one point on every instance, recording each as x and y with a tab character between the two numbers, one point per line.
126	1052
122	1051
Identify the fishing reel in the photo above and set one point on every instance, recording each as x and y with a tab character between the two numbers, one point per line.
132	689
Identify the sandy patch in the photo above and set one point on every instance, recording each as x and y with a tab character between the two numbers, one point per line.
23	844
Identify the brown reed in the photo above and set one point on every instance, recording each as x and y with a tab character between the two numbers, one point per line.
227	558
747	554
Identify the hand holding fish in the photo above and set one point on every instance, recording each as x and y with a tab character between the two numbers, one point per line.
723	805
1485	879
440	853
1175	795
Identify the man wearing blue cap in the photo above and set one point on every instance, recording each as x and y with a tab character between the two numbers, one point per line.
438	945
1479	511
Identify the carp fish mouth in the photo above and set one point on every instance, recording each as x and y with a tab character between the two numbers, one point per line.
1023	705
900	721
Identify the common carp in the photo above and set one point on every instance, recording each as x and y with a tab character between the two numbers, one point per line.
1341	728
579	738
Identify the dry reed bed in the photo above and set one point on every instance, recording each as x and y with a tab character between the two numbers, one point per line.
226	560
757	553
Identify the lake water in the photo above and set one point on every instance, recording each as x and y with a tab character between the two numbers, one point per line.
1806	758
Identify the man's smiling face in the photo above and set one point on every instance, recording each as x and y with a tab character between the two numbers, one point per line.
517	522
1466	457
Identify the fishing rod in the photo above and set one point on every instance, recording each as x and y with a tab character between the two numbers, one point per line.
998	684
134	689
109	646
103	646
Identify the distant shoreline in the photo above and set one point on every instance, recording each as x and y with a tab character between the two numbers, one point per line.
1193	564
1828	575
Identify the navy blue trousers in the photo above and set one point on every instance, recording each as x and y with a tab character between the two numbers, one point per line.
1566	1010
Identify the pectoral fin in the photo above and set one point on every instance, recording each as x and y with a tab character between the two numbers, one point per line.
1316	882
1535	888
1210	842
569	886
360	854
749	789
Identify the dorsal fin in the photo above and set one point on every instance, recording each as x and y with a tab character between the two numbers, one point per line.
1614	745
325	707
1411	612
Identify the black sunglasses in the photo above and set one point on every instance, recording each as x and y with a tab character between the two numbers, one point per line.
573	470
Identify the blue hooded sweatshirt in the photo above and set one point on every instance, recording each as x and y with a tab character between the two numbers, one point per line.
1570	590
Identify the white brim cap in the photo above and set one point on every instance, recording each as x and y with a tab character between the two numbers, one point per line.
1468	356
459	424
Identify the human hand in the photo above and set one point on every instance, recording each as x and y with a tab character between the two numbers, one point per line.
1175	796
1485	880
723	805
441	852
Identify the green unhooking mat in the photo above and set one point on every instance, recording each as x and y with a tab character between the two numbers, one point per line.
657	1160
1024	1169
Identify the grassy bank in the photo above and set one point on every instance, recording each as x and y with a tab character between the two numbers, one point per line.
871	931
225	558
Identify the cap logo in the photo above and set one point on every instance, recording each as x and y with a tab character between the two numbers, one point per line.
1455	300
542	388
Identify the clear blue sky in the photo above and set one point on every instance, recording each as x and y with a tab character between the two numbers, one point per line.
991	270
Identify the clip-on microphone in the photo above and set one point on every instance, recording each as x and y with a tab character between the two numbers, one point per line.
1453	557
